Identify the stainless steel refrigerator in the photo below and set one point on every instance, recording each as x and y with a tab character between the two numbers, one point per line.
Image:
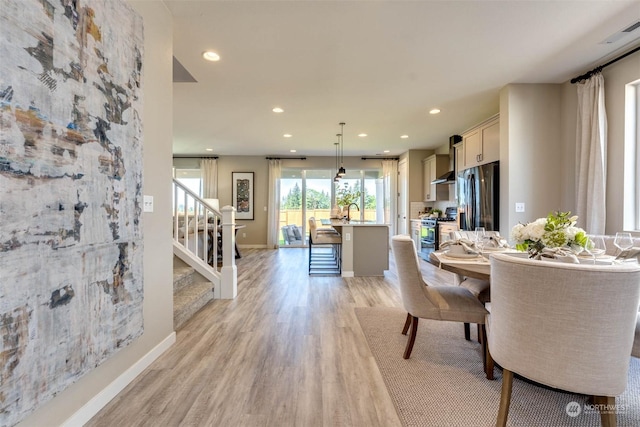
478	197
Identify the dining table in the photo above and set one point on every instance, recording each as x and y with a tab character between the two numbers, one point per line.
477	267
215	235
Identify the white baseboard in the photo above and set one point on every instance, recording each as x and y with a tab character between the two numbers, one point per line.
347	274
252	246
93	406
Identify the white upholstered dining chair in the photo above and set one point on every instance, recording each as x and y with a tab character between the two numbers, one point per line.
566	326
448	303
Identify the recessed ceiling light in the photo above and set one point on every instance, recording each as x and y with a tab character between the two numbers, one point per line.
210	55
385	151
434	111
209	149
404	136
287	135
277	110
292	151
362	135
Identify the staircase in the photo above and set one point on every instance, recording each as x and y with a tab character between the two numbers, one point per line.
204	234
191	292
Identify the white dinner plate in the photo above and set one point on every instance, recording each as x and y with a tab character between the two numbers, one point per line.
494	249
459	255
602	260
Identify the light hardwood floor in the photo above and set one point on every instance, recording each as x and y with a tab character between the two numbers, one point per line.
288	351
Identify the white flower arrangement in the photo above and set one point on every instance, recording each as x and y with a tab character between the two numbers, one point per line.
557	230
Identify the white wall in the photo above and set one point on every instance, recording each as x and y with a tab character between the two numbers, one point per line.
531	153
93	390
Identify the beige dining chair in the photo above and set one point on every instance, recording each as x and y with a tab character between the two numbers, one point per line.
447	303
635	349
565	326
479	288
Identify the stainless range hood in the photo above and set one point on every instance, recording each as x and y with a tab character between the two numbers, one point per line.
447	178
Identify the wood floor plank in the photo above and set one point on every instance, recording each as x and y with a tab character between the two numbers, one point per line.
287	351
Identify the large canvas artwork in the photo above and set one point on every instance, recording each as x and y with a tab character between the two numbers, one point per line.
70	193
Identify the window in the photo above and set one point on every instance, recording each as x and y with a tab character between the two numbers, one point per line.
631	215
369	184
191	179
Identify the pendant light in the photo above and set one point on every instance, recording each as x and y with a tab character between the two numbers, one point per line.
342	171
337	144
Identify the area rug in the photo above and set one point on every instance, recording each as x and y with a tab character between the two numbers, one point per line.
443	383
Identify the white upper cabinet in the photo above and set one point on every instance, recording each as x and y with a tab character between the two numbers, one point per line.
480	145
432	167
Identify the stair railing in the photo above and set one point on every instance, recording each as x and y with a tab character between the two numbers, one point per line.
203	236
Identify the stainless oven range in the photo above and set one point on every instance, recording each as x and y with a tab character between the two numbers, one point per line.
430	233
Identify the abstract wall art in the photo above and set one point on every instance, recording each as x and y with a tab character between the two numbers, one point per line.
242	194
70	193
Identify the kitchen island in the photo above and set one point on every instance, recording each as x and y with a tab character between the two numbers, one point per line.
365	247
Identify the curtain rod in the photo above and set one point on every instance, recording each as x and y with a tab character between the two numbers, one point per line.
379	158
286	158
195	157
585	76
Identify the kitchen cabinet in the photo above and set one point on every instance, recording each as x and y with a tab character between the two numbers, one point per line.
416	225
432	167
445	229
481	144
459	156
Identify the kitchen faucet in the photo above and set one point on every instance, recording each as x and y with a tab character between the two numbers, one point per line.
349	210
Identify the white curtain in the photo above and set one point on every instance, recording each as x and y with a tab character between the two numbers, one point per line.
273	210
591	155
209	174
390	176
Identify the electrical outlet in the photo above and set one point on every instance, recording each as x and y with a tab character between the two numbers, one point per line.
520	207
244	235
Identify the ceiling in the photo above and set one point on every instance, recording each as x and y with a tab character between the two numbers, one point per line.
378	66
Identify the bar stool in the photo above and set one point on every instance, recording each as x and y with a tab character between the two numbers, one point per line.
321	260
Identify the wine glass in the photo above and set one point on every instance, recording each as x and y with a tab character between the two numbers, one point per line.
623	241
596	246
480	234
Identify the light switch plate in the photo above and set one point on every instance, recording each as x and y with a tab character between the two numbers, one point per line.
519	207
148	204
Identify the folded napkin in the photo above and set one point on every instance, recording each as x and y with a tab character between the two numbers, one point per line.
629	254
468	245
560	254
496	242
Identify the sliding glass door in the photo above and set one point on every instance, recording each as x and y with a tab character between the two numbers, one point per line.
317	195
304	194
291	224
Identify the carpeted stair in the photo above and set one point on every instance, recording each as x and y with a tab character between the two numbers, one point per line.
190	292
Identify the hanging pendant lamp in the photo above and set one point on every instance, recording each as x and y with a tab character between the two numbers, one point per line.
342	171
337	144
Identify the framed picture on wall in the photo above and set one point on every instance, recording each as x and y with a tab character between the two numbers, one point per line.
242	194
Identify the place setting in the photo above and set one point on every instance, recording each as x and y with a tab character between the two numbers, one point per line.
477	250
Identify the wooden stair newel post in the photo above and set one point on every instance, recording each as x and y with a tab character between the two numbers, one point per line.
229	279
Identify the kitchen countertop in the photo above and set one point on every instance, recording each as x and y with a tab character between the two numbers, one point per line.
353	222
